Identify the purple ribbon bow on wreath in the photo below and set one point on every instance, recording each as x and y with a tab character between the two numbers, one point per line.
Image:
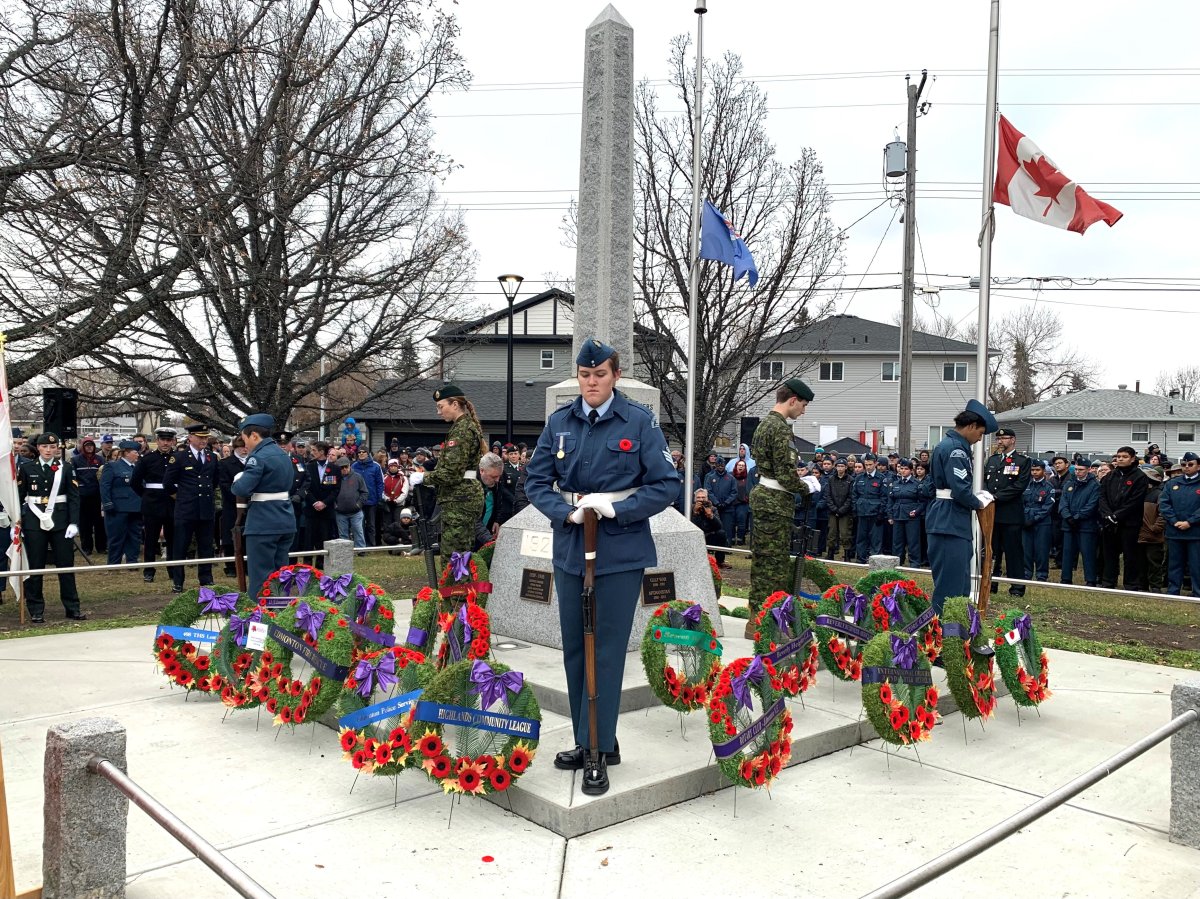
1022	625
689	618
490	686
972	620
309	619
296	579
239	627
335	588
904	652
366	603
854	603
891	602
214	604
782	613
740	684
459	565
381	673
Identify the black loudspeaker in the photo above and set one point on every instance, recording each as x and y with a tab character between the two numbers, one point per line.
749	426
59	412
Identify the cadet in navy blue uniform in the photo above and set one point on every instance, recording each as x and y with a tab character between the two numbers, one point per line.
906	510
1038	535
1080	523
158	506
191	477
948	520
267	479
122	507
604	452
1180	507
870	498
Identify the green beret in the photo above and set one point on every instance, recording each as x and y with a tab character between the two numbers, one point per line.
798	387
446	391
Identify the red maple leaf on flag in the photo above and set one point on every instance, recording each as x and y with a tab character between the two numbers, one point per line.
1050	181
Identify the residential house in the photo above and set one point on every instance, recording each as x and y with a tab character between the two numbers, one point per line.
1096	422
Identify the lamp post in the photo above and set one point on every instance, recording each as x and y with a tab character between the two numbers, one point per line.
510	284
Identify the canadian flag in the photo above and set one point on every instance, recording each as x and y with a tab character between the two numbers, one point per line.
1029	181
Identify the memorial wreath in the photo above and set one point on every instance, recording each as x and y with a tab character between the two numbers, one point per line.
1021	659
688	630
843	627
373	737
715	570
969	674
177	640
465	573
897	689
750	749
784	634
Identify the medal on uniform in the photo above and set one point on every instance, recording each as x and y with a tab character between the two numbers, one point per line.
561	438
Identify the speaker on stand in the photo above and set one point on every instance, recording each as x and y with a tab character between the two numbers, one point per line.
59	412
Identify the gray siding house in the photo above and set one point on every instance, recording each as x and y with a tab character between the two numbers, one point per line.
853	367
1096	422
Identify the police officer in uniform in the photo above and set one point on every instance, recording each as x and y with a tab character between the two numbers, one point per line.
268	480
772	500
456	477
158	506
191	477
49	522
604	452
948	520
1180	507
1005	476
122	507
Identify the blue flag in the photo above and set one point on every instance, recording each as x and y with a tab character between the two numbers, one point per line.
718	241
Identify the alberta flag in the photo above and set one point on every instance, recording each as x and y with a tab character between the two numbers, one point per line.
720	242
1029	181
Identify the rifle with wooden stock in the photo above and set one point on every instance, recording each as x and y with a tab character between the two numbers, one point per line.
588	597
239	544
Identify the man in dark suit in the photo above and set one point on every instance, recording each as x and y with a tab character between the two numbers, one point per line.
228	469
49	523
158	506
191	478
321	483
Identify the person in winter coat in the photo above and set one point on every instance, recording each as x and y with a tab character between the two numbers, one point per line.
906	503
1081	524
744	483
368	469
705	517
744	456
722	491
1153	534
395	492
1122	492
348	506
1180	504
839	500
86	463
1037	537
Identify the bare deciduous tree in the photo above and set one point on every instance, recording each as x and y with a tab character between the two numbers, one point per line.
1034	362
1185	379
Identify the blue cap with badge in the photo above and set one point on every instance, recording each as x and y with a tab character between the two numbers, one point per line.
258	420
1189	456
593	352
127	445
989	420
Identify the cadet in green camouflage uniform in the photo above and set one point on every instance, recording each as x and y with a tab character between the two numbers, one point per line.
456	477
772	501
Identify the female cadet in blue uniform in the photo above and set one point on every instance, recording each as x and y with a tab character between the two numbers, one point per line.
948	521
121	506
603	452
906	511
270	522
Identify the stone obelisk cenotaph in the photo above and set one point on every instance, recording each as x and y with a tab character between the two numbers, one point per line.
523	604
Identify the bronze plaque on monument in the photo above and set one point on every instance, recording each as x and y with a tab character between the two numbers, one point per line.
658	588
535	585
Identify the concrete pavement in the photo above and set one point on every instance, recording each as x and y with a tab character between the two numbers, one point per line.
835	826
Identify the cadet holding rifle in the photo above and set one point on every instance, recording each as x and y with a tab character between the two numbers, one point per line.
602	452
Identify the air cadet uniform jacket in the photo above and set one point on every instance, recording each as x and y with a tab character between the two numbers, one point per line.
267	479
1181	502
954	497
116	490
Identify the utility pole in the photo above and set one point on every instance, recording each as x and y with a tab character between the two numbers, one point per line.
910	244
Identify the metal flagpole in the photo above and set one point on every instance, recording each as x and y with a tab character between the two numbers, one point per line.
689	439
985	241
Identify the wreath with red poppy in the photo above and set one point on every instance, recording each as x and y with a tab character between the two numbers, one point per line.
969	674
869	583
715	570
1022	661
840	650
685	689
798	668
915	614
897	689
382	747
235	667
486	553
182	660
465	632
463	759
476	582
757	761
422	627
822	576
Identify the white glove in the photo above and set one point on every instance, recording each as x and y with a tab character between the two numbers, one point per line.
604	508
5	521
814	485
985	499
238	475
72	531
416	478
576	515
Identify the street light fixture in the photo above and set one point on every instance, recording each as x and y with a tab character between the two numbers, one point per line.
510	284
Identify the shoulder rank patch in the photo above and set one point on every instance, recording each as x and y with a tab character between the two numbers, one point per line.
962	473
958	453
252	461
667	455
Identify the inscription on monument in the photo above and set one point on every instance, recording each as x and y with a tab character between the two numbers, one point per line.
658	588
535	585
537	544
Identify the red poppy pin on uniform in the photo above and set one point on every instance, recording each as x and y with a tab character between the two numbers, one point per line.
626	444
1129	483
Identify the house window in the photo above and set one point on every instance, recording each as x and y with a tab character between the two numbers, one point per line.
1187	433
936	433
955	372
1139	432
547	359
830	371
889	371
770	371
1074	430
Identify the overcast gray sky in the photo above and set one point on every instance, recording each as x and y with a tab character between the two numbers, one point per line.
1110	91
